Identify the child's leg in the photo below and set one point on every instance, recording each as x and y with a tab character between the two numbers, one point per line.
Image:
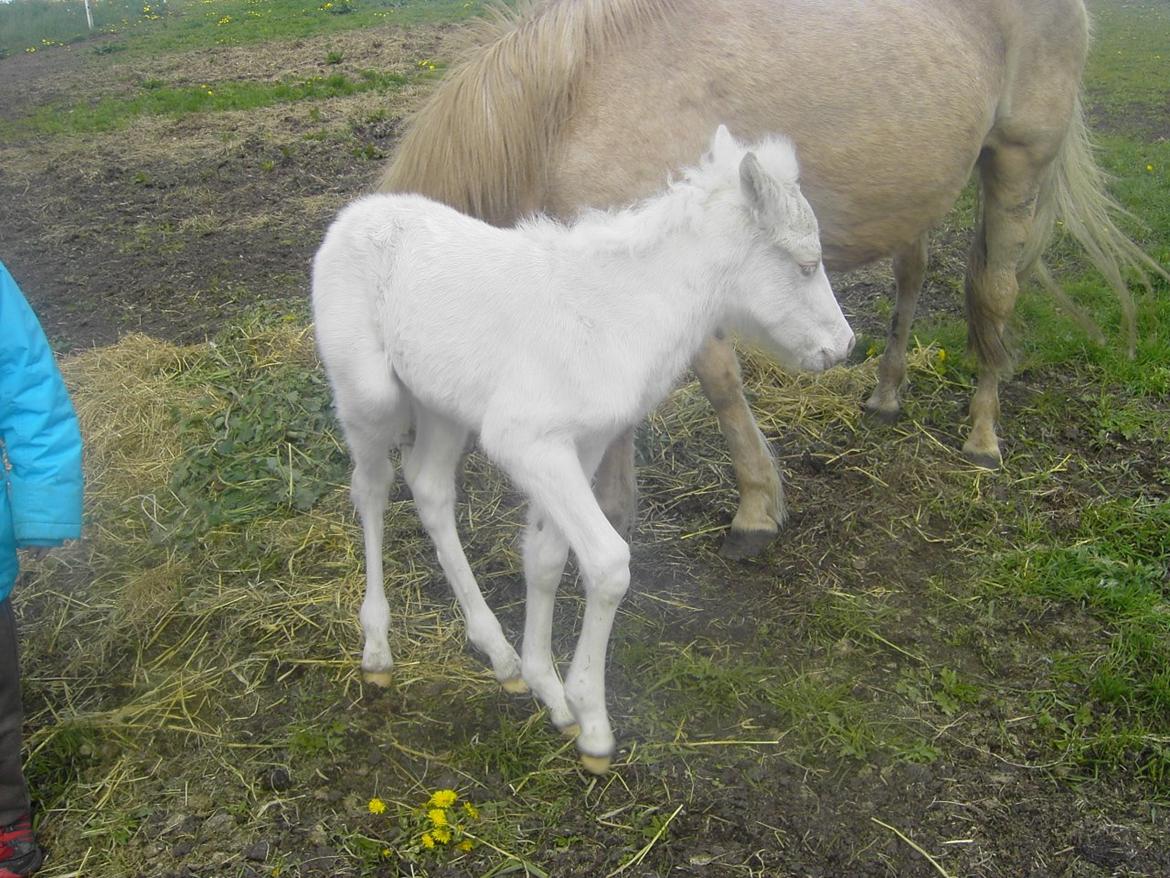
14	802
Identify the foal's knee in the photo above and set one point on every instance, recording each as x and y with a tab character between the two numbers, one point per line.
544	556
608	576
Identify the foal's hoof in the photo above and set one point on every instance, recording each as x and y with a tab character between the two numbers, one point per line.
381	679
596	764
742	544
514	686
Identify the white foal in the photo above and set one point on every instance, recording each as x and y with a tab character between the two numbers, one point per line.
549	341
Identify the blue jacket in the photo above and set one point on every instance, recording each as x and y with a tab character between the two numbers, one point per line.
39	437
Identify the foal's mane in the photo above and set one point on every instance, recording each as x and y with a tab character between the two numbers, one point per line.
643	225
479	144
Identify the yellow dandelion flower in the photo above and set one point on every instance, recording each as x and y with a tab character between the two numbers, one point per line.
1150	168
443	798
377	806
942	355
470	810
437	816
427	840
441	834
466	845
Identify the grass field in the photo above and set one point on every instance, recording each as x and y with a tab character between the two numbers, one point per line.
937	670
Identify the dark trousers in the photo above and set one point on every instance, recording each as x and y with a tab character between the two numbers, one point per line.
13	789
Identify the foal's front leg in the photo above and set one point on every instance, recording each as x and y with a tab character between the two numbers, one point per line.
545	552
558	482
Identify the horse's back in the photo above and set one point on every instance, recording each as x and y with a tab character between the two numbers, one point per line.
889	102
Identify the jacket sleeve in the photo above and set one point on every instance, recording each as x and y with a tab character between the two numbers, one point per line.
38	427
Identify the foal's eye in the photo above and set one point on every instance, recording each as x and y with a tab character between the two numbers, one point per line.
808	269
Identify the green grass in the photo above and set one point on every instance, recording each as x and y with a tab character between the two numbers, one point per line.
154	98
184	25
39	25
1130	54
1111	698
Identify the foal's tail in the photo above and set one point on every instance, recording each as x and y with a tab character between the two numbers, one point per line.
1073	193
481	142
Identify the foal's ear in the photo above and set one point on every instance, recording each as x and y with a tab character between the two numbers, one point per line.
761	190
722	141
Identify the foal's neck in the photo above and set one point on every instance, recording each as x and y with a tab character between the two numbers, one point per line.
670	260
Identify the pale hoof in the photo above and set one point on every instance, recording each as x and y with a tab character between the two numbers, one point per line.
741	544
514	686
381	679
595	764
571	731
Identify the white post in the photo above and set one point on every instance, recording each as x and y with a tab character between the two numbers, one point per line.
88	15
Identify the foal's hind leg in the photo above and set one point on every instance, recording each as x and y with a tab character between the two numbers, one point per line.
909	270
430	471
372	414
1010	175
761	510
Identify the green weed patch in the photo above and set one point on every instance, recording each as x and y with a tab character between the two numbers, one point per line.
156	99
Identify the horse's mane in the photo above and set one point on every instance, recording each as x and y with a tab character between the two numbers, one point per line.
480	142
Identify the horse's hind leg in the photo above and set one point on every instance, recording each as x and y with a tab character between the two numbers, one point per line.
616	486
1010	174
761	510
909	271
430	471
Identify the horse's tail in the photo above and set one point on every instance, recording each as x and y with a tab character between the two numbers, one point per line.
1073	193
481	142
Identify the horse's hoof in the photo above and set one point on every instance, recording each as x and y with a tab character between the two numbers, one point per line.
381	679
883	415
571	731
742	544
983	459
514	686
595	764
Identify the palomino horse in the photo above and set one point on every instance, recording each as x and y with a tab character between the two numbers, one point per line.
891	103
550	341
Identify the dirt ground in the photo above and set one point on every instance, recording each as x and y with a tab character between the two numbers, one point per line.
174	227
